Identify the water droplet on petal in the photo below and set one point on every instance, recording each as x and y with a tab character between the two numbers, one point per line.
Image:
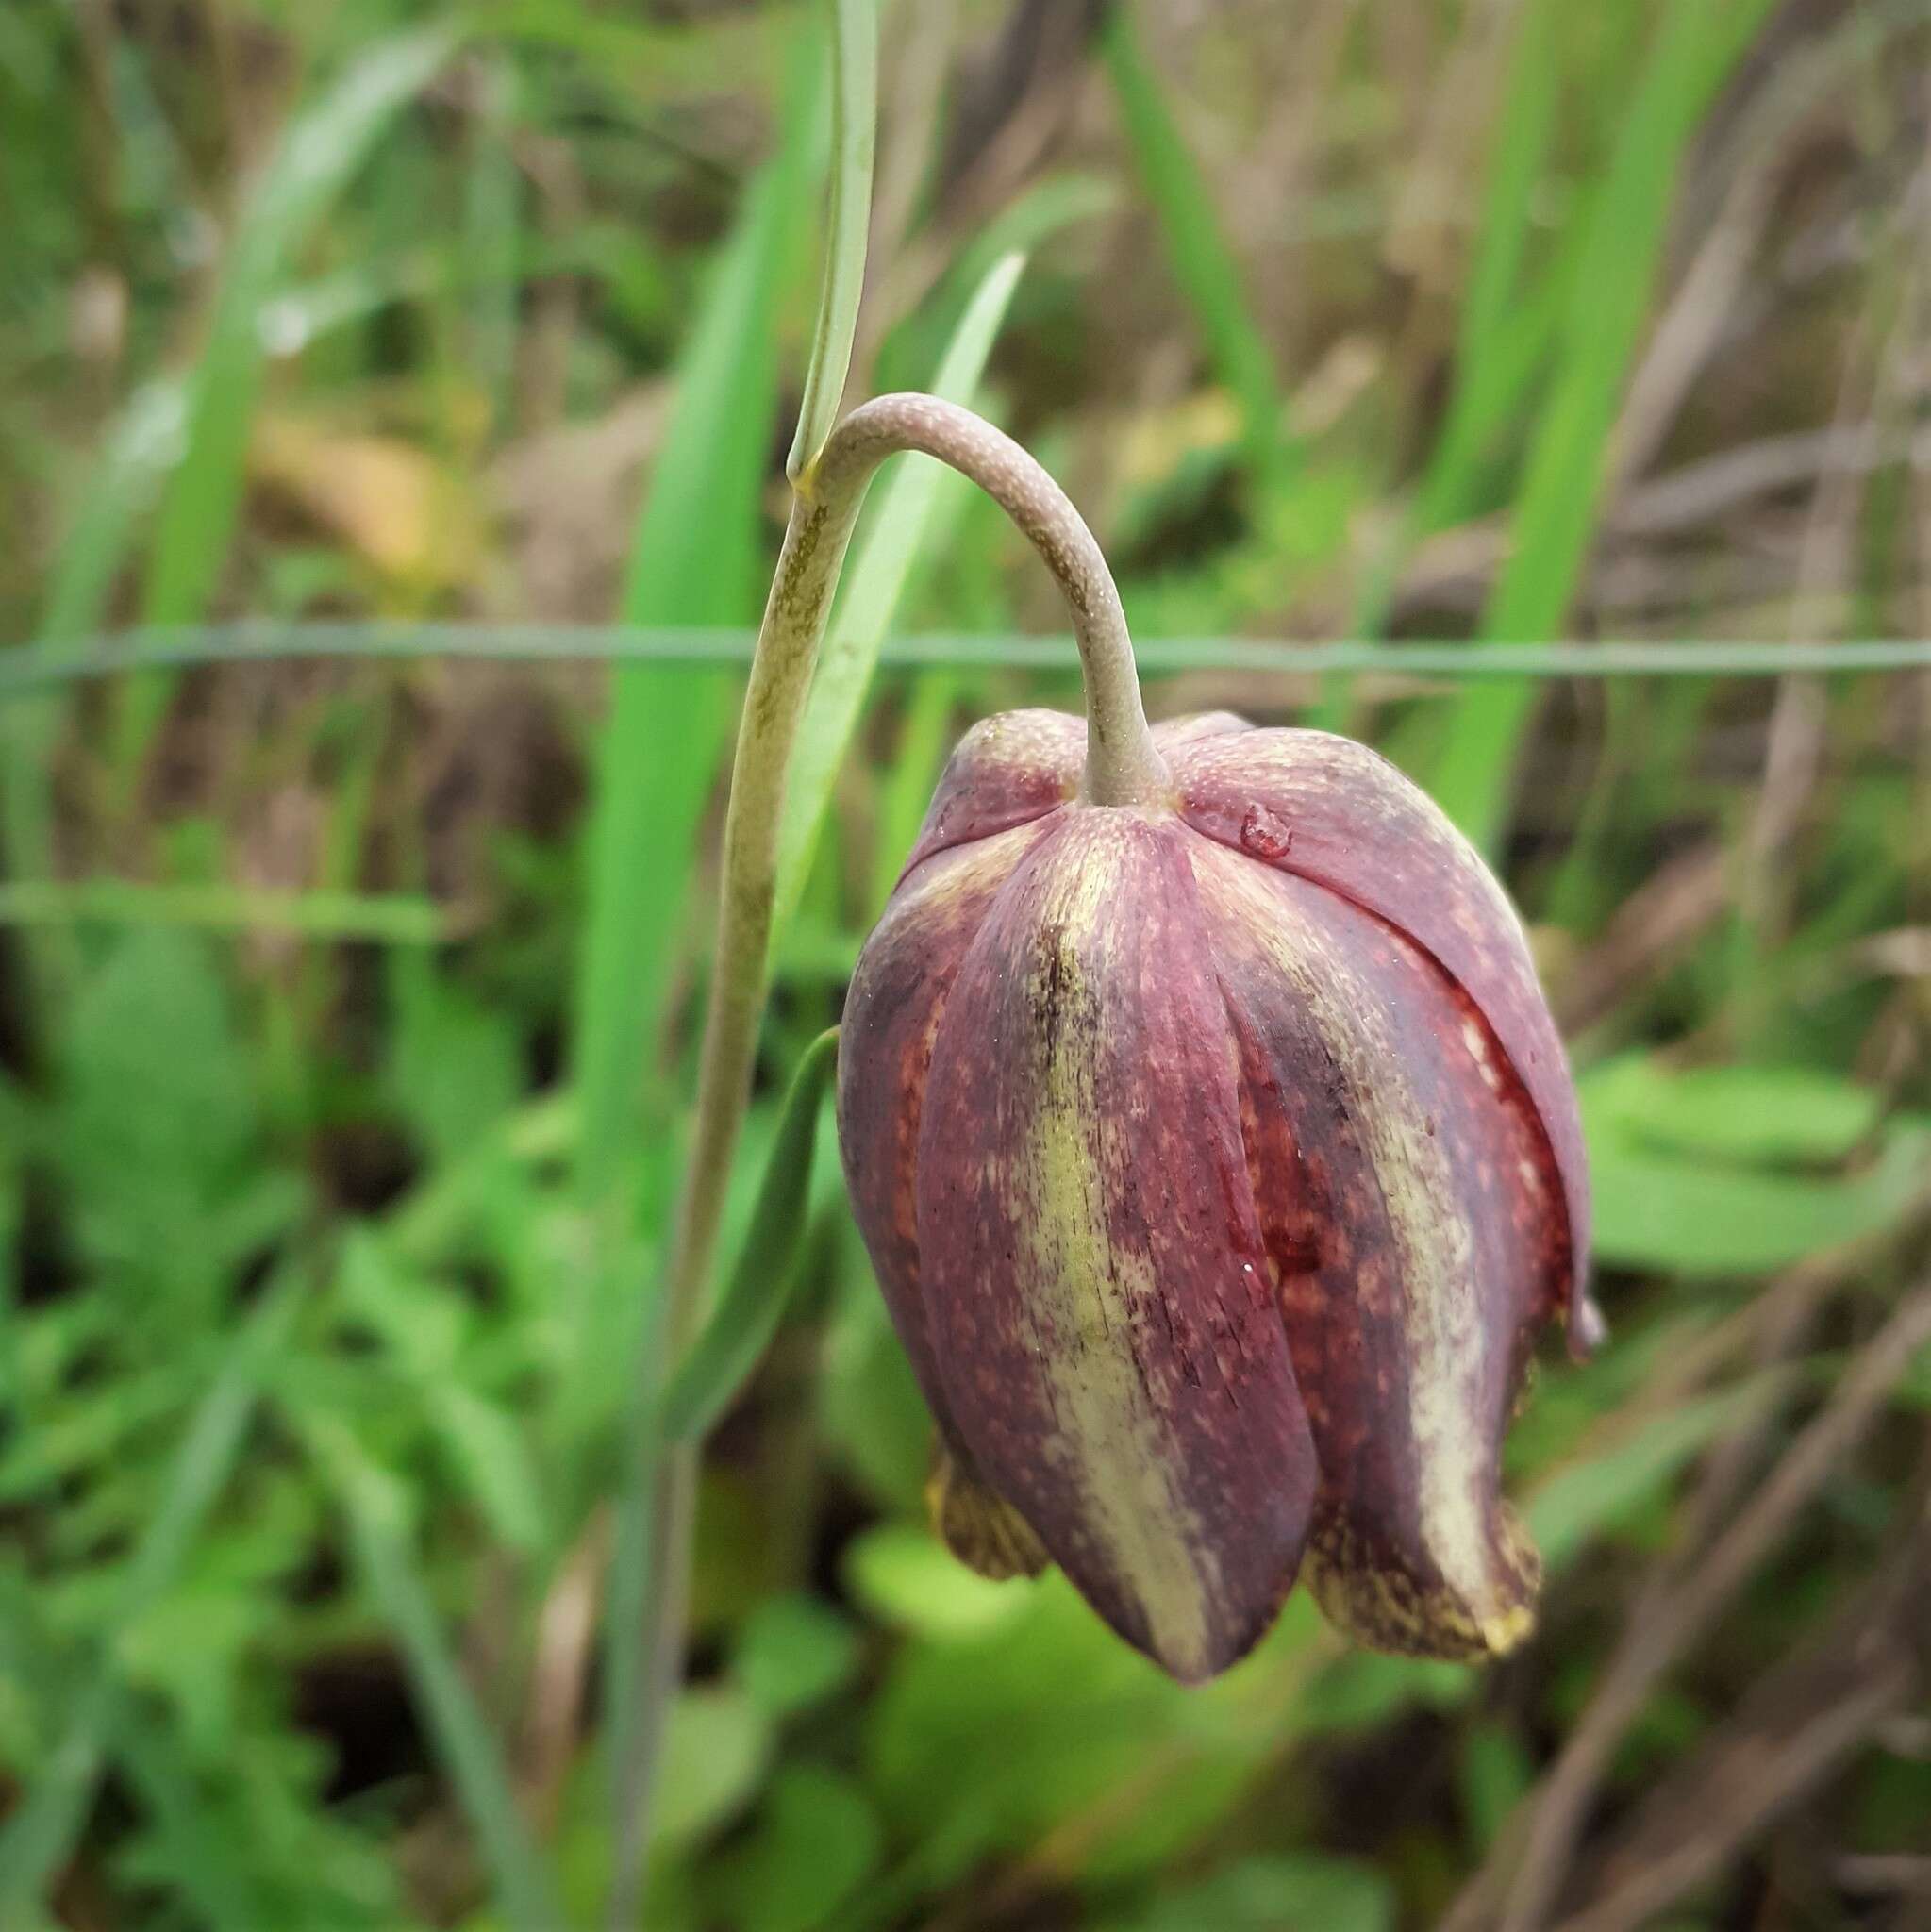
1265	833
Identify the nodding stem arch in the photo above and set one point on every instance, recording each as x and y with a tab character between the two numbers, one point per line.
1123	766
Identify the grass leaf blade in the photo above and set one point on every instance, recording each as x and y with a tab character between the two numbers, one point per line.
747	1312
853	130
694	563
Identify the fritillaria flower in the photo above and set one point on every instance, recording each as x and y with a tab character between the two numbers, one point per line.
1219	1161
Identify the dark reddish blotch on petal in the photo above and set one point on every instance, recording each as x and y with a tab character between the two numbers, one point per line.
1218	1164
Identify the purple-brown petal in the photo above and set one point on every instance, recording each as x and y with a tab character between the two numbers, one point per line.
1094	1274
903	977
1007	769
1325	809
1411	1206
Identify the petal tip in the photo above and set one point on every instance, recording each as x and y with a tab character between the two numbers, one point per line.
1384	1608
979	1526
1588	1326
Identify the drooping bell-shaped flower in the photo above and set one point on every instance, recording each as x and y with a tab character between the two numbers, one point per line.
1219	1161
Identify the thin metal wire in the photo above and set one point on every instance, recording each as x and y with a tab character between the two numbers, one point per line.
50	663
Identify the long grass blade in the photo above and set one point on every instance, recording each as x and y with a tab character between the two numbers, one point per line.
1568	461
1204	263
694	563
123	485
468	1748
397	919
747	1312
464	1739
321	150
854	131
681	650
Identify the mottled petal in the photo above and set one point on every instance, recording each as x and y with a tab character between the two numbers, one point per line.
1331	811
903	977
1095	1279
1007	769
1410	1211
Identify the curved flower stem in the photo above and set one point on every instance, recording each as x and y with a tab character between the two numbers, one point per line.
1123	768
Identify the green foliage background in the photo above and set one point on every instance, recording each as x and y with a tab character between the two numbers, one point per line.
348	1007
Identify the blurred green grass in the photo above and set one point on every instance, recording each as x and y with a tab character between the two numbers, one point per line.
345	1004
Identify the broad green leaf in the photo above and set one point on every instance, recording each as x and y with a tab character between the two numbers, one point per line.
793	1652
992	1729
1655	1210
815	1842
905	1576
1298	1893
716	1747
1753	1116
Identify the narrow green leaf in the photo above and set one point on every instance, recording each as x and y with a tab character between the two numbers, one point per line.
680	649
377	1519
854	123
319	151
123	483
694	563
1580	1499
486	1445
395	919
873	583
746	1316
1568	464
905	785
1203	261
1517	164
321	148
